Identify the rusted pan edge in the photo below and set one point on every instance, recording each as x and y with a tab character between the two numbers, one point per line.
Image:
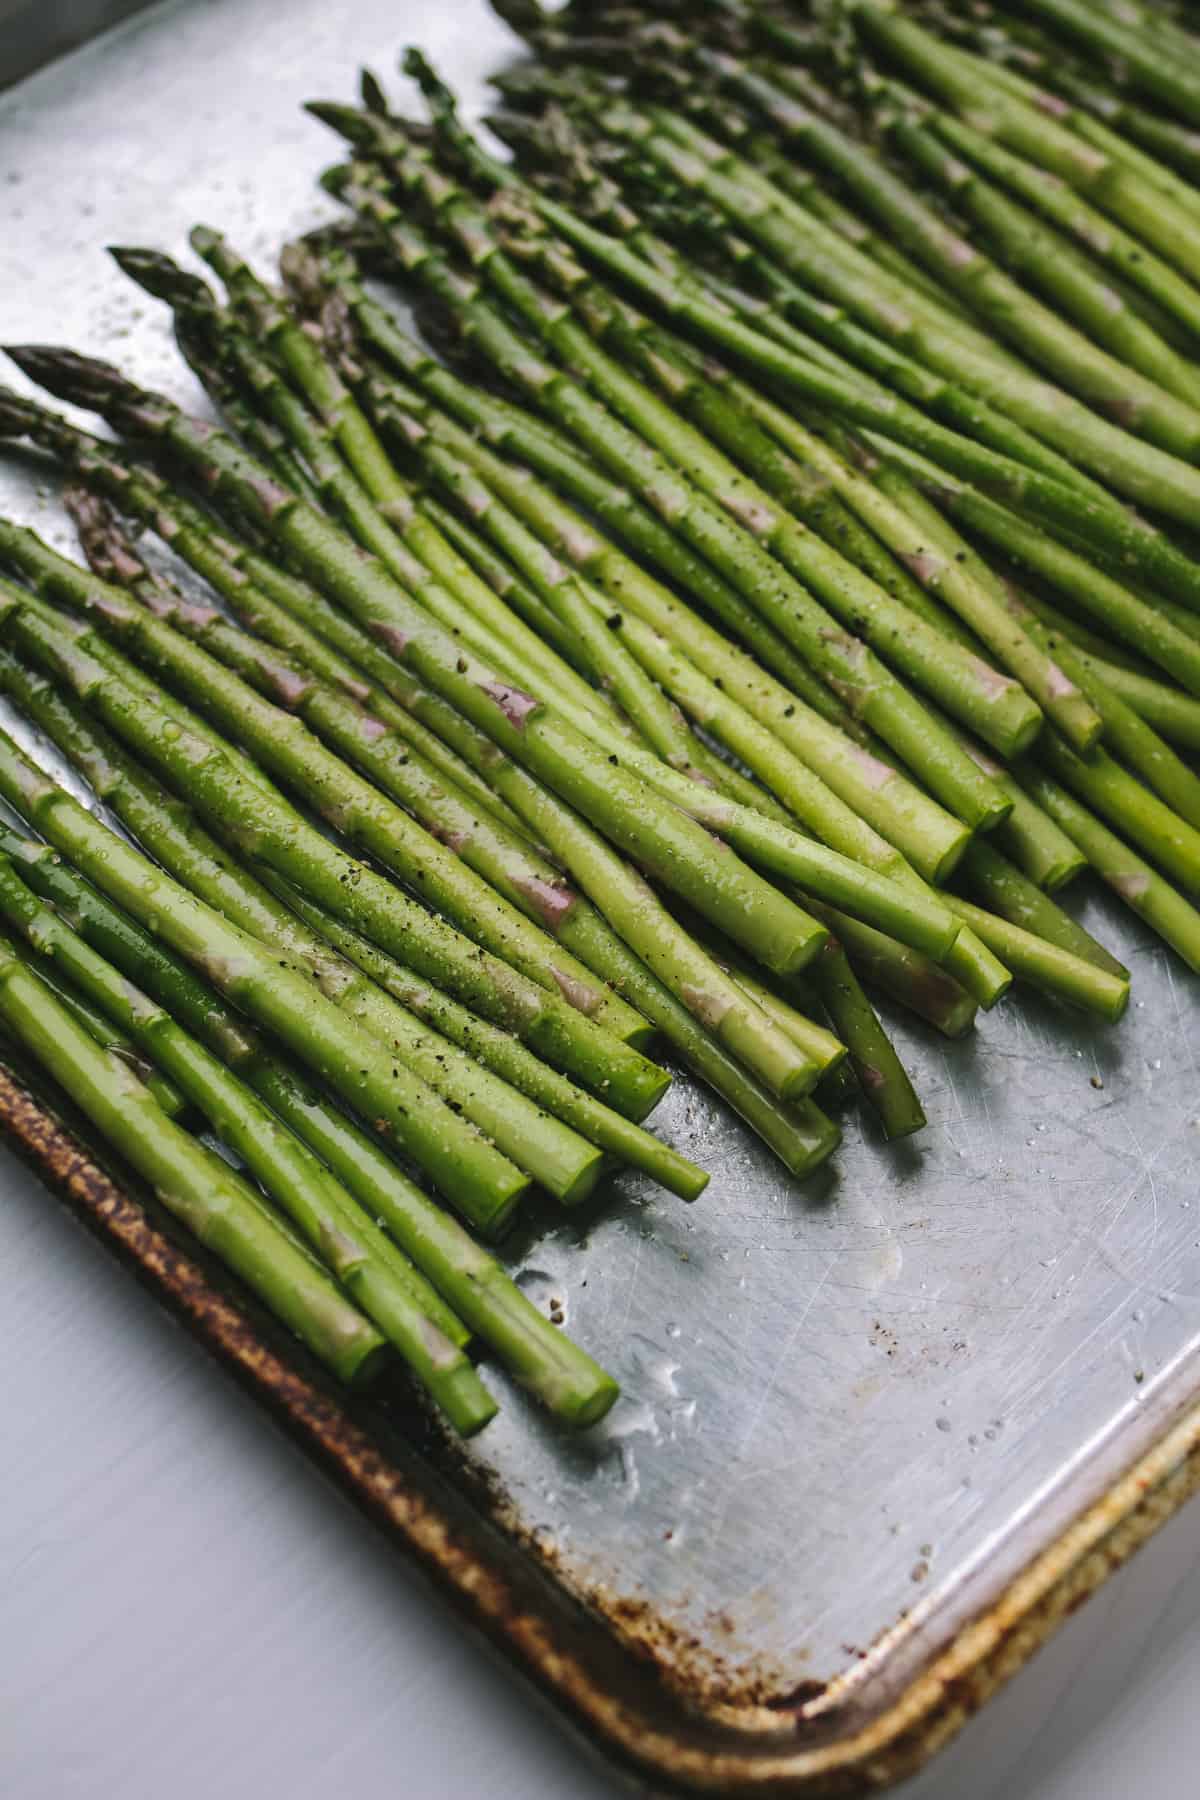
617	1703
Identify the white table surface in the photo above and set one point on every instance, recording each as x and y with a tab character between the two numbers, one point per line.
188	1610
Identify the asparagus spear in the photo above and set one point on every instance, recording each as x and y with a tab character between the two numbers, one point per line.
485	1073
1052	264
1130	877
990	626
276	993
817	328
908	977
880	1072
349	803
1129	618
800	1135
1128	735
192	1182
1122	252
341	1235
110	1037
1141	402
541	1356
541	1016
1159	69
893	805
1012	896
965	685
1111	534
1112	382
1174	715
555	457
971	958
827	876
504	857
1114	182
348	427
1102	784
676	849
841	659
271	601
1056	970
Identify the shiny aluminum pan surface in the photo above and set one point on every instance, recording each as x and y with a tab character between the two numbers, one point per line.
854	1410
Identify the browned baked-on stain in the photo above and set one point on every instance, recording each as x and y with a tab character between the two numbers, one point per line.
636	1685
726	1682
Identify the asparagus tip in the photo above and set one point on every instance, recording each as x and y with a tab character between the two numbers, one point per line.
204	239
87	380
161	275
372	92
347	121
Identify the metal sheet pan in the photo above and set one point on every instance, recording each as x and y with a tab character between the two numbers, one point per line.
877	1430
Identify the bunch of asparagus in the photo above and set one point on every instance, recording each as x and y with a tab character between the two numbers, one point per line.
739	608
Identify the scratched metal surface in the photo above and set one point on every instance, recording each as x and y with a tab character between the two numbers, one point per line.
851	1409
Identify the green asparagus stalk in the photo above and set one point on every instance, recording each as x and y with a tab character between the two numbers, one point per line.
198	1009
1175	716
762	843
954	561
657	837
1106	599
278	995
1048	966
1042	256
192	1182
893	805
1103	785
642	920
545	1019
784	857
798	1134
541	1356
967	687
491	1078
503	856
1117	538
815	327
991	625
1163	138
1131	878
1118	185
880	1072
1123	253
1129	736
1159	70
351	804
1041	850
110	1037
1144	471
1142	403
555	458
841	659
364	489
909	978
342	1236
368	459
1012	896
270	601
765	844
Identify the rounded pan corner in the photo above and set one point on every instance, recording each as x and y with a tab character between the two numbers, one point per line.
835	1745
